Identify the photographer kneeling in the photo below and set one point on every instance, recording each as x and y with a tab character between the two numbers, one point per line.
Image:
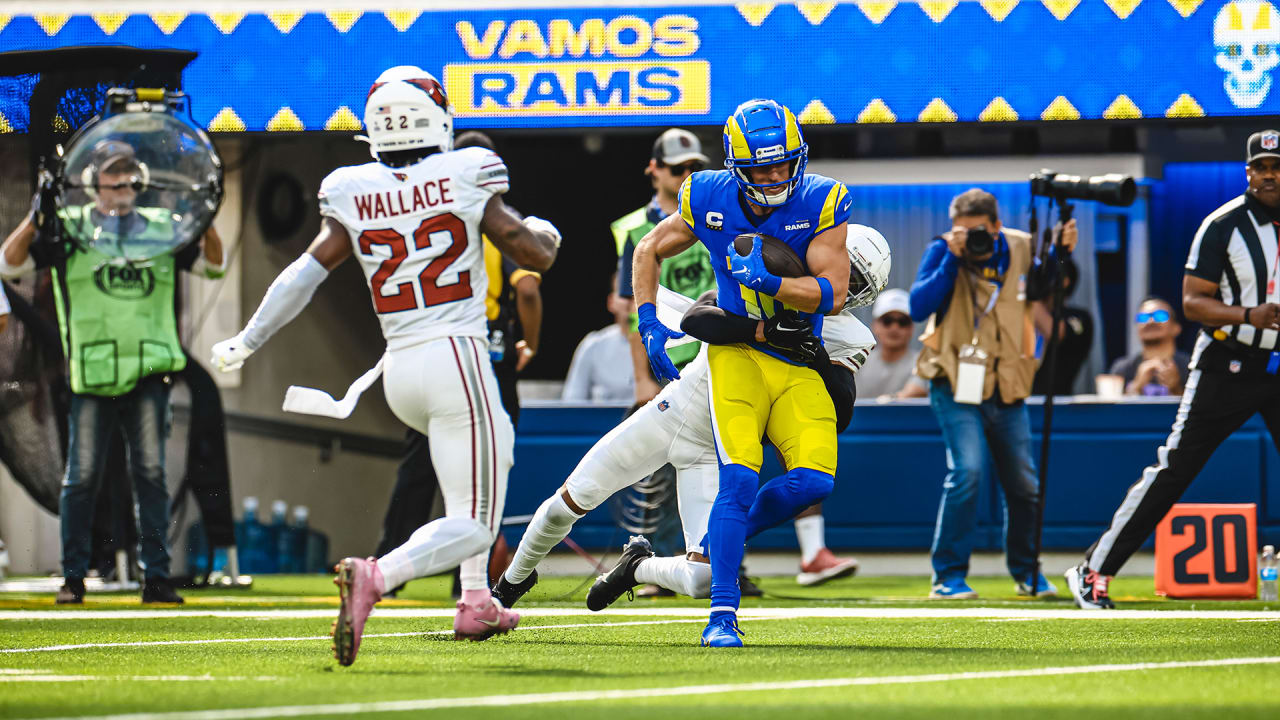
975	286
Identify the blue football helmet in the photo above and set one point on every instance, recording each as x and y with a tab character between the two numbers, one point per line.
762	132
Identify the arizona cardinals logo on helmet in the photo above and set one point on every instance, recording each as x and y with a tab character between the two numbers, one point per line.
431	87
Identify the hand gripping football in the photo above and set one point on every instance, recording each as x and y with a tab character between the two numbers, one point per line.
779	258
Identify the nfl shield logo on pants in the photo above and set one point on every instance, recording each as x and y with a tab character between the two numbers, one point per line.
1270	141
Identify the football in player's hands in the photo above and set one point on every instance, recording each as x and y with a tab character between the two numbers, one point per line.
778	257
230	354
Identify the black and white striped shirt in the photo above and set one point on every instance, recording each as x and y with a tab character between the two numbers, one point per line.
1236	247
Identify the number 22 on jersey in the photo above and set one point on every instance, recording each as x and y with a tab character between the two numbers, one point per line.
432	230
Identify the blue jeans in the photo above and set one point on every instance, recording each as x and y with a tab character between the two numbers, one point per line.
143	416
966	430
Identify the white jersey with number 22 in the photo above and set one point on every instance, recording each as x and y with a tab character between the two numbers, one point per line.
416	232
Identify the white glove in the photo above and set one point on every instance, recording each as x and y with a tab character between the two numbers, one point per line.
537	224
230	354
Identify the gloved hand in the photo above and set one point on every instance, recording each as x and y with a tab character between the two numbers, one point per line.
750	271
537	224
792	336
655	335
230	354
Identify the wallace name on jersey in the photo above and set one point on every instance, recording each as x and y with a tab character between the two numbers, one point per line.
405	201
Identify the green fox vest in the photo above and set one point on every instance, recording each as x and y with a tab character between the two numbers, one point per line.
117	320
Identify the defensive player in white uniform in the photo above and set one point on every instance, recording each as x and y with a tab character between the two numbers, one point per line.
675	428
414	220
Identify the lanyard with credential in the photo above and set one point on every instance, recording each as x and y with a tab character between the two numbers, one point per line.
991	303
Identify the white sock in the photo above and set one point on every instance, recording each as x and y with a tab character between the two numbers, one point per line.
810	531
677	574
550	524
433	548
474	572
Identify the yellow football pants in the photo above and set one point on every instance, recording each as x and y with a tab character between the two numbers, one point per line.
754	394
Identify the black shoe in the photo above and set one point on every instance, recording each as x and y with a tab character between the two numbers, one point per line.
71	592
746	586
509	593
158	590
1088	588
611	585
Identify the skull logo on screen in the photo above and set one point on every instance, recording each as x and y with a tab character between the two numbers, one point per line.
1246	34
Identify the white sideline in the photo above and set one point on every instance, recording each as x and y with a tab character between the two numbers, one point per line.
875	613
640	693
220	641
54	678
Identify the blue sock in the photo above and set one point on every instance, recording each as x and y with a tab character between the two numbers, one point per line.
783	497
727	532
719	614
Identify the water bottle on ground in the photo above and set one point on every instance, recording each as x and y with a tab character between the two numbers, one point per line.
497	346
1267	572
296	540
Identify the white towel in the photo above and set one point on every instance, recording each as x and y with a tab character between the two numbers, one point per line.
310	401
671	309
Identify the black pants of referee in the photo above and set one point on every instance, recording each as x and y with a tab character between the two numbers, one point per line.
1214	404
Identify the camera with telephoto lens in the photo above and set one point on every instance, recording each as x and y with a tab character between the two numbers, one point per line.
1109	189
979	242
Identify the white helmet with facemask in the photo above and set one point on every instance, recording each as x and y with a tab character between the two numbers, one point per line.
406	110
869	263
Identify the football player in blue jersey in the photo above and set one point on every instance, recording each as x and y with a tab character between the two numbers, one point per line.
754	390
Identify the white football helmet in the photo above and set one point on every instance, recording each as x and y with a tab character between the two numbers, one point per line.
407	109
869	263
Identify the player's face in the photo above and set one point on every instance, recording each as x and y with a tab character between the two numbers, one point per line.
771	175
892	330
1264	180
116	193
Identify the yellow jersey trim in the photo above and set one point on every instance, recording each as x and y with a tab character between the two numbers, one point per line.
686	212
828	218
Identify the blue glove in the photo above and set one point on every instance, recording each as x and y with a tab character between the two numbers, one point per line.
750	271
655	335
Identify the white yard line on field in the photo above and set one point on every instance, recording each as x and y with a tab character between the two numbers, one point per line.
660	692
47	677
219	641
874	613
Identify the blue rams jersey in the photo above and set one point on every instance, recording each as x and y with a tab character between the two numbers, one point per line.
713	207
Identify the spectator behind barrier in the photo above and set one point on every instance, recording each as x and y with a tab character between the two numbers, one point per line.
975	286
120	330
601	367
1160	368
890	369
1075	336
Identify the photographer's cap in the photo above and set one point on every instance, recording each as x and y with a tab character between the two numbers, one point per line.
1263	144
109	152
892	300
677	147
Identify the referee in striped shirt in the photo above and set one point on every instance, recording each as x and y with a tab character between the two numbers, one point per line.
1230	287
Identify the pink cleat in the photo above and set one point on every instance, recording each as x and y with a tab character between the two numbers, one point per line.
358	582
481	623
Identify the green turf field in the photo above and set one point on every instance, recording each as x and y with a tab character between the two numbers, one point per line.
866	646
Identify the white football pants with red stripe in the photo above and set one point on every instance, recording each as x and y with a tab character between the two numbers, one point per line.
446	390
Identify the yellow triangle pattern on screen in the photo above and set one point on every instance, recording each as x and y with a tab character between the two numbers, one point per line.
815	113
110	22
754	12
1060	109
285	120
1061	8
938	10
4	20
343	119
877	112
1184	107
51	24
402	19
937	111
1122	108
998	9
1185	7
60	124
285	20
998	110
226	121
1123	8
877	10
168	22
343	19
815	12
5	127
226	21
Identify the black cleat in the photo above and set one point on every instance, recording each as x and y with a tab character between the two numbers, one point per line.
71	592
746	586
158	590
1088	588
611	585
509	593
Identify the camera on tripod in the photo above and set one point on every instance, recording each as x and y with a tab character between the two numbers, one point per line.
1109	189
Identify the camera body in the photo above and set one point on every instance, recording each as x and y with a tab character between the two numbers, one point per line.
1109	189
979	242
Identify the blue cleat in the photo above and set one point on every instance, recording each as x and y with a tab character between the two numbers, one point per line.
722	631
952	590
1044	588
